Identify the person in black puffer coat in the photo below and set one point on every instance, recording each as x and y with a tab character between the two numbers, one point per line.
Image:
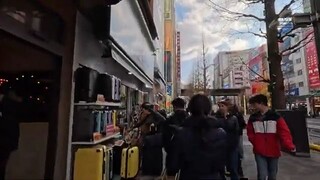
199	150
171	127
230	124
242	125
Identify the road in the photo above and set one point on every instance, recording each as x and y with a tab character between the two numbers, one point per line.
313	125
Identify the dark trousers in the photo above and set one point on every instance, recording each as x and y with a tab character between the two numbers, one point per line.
4	157
233	164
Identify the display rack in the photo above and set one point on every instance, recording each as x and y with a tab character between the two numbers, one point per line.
113	104
116	135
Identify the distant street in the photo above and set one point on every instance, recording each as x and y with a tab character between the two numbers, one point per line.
313	122
313	125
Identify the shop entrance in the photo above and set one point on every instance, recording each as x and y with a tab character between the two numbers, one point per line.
35	74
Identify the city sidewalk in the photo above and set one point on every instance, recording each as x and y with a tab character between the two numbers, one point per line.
290	167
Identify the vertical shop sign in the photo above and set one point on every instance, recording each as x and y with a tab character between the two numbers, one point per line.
312	63
168	9
169	89
168	66
178	65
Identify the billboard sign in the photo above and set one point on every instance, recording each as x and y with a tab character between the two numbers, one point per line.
178	65
293	92
168	66
169	89
312	63
255	65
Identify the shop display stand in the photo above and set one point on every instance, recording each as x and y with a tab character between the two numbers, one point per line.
107	140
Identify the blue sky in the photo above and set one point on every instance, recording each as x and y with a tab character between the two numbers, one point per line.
195	17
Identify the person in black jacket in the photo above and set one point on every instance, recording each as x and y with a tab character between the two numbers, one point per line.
9	126
242	125
230	124
199	150
171	126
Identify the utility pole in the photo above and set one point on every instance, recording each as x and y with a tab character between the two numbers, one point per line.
276	86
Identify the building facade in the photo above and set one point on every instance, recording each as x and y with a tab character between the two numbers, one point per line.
46	42
294	68
306	6
230	69
170	51
259	71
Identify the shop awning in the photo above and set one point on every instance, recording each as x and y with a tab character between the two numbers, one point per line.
128	64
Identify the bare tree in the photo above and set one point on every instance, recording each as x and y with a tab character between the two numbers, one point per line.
201	71
272	21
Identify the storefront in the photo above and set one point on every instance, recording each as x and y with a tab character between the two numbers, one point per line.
36	53
112	58
43	44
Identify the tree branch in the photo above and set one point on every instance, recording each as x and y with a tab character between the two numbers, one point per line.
286	7
263	79
250	32
297	46
248	2
223	9
288	34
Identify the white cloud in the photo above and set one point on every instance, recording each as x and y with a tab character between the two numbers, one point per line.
239	44
200	18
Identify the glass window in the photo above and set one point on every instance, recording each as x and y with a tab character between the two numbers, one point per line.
298	61
300	72
301	84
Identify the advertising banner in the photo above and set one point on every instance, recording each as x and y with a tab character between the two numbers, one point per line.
255	65
312	63
168	66
178	65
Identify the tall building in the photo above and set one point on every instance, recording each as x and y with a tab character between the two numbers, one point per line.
259	70
311	57
159	89
170	50
294	68
306	6
230	69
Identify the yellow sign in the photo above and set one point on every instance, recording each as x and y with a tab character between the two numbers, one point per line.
168	9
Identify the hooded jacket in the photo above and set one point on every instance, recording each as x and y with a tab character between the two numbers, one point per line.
266	133
200	149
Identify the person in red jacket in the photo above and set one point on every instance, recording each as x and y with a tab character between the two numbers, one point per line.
267	131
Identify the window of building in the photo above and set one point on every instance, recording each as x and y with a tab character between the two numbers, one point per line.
300	72
296	39
293	86
301	84
298	61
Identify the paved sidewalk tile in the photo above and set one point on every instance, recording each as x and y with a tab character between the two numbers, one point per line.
290	167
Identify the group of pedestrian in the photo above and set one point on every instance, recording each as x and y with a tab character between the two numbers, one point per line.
200	144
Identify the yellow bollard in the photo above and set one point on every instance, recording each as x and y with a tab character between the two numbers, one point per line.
314	147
